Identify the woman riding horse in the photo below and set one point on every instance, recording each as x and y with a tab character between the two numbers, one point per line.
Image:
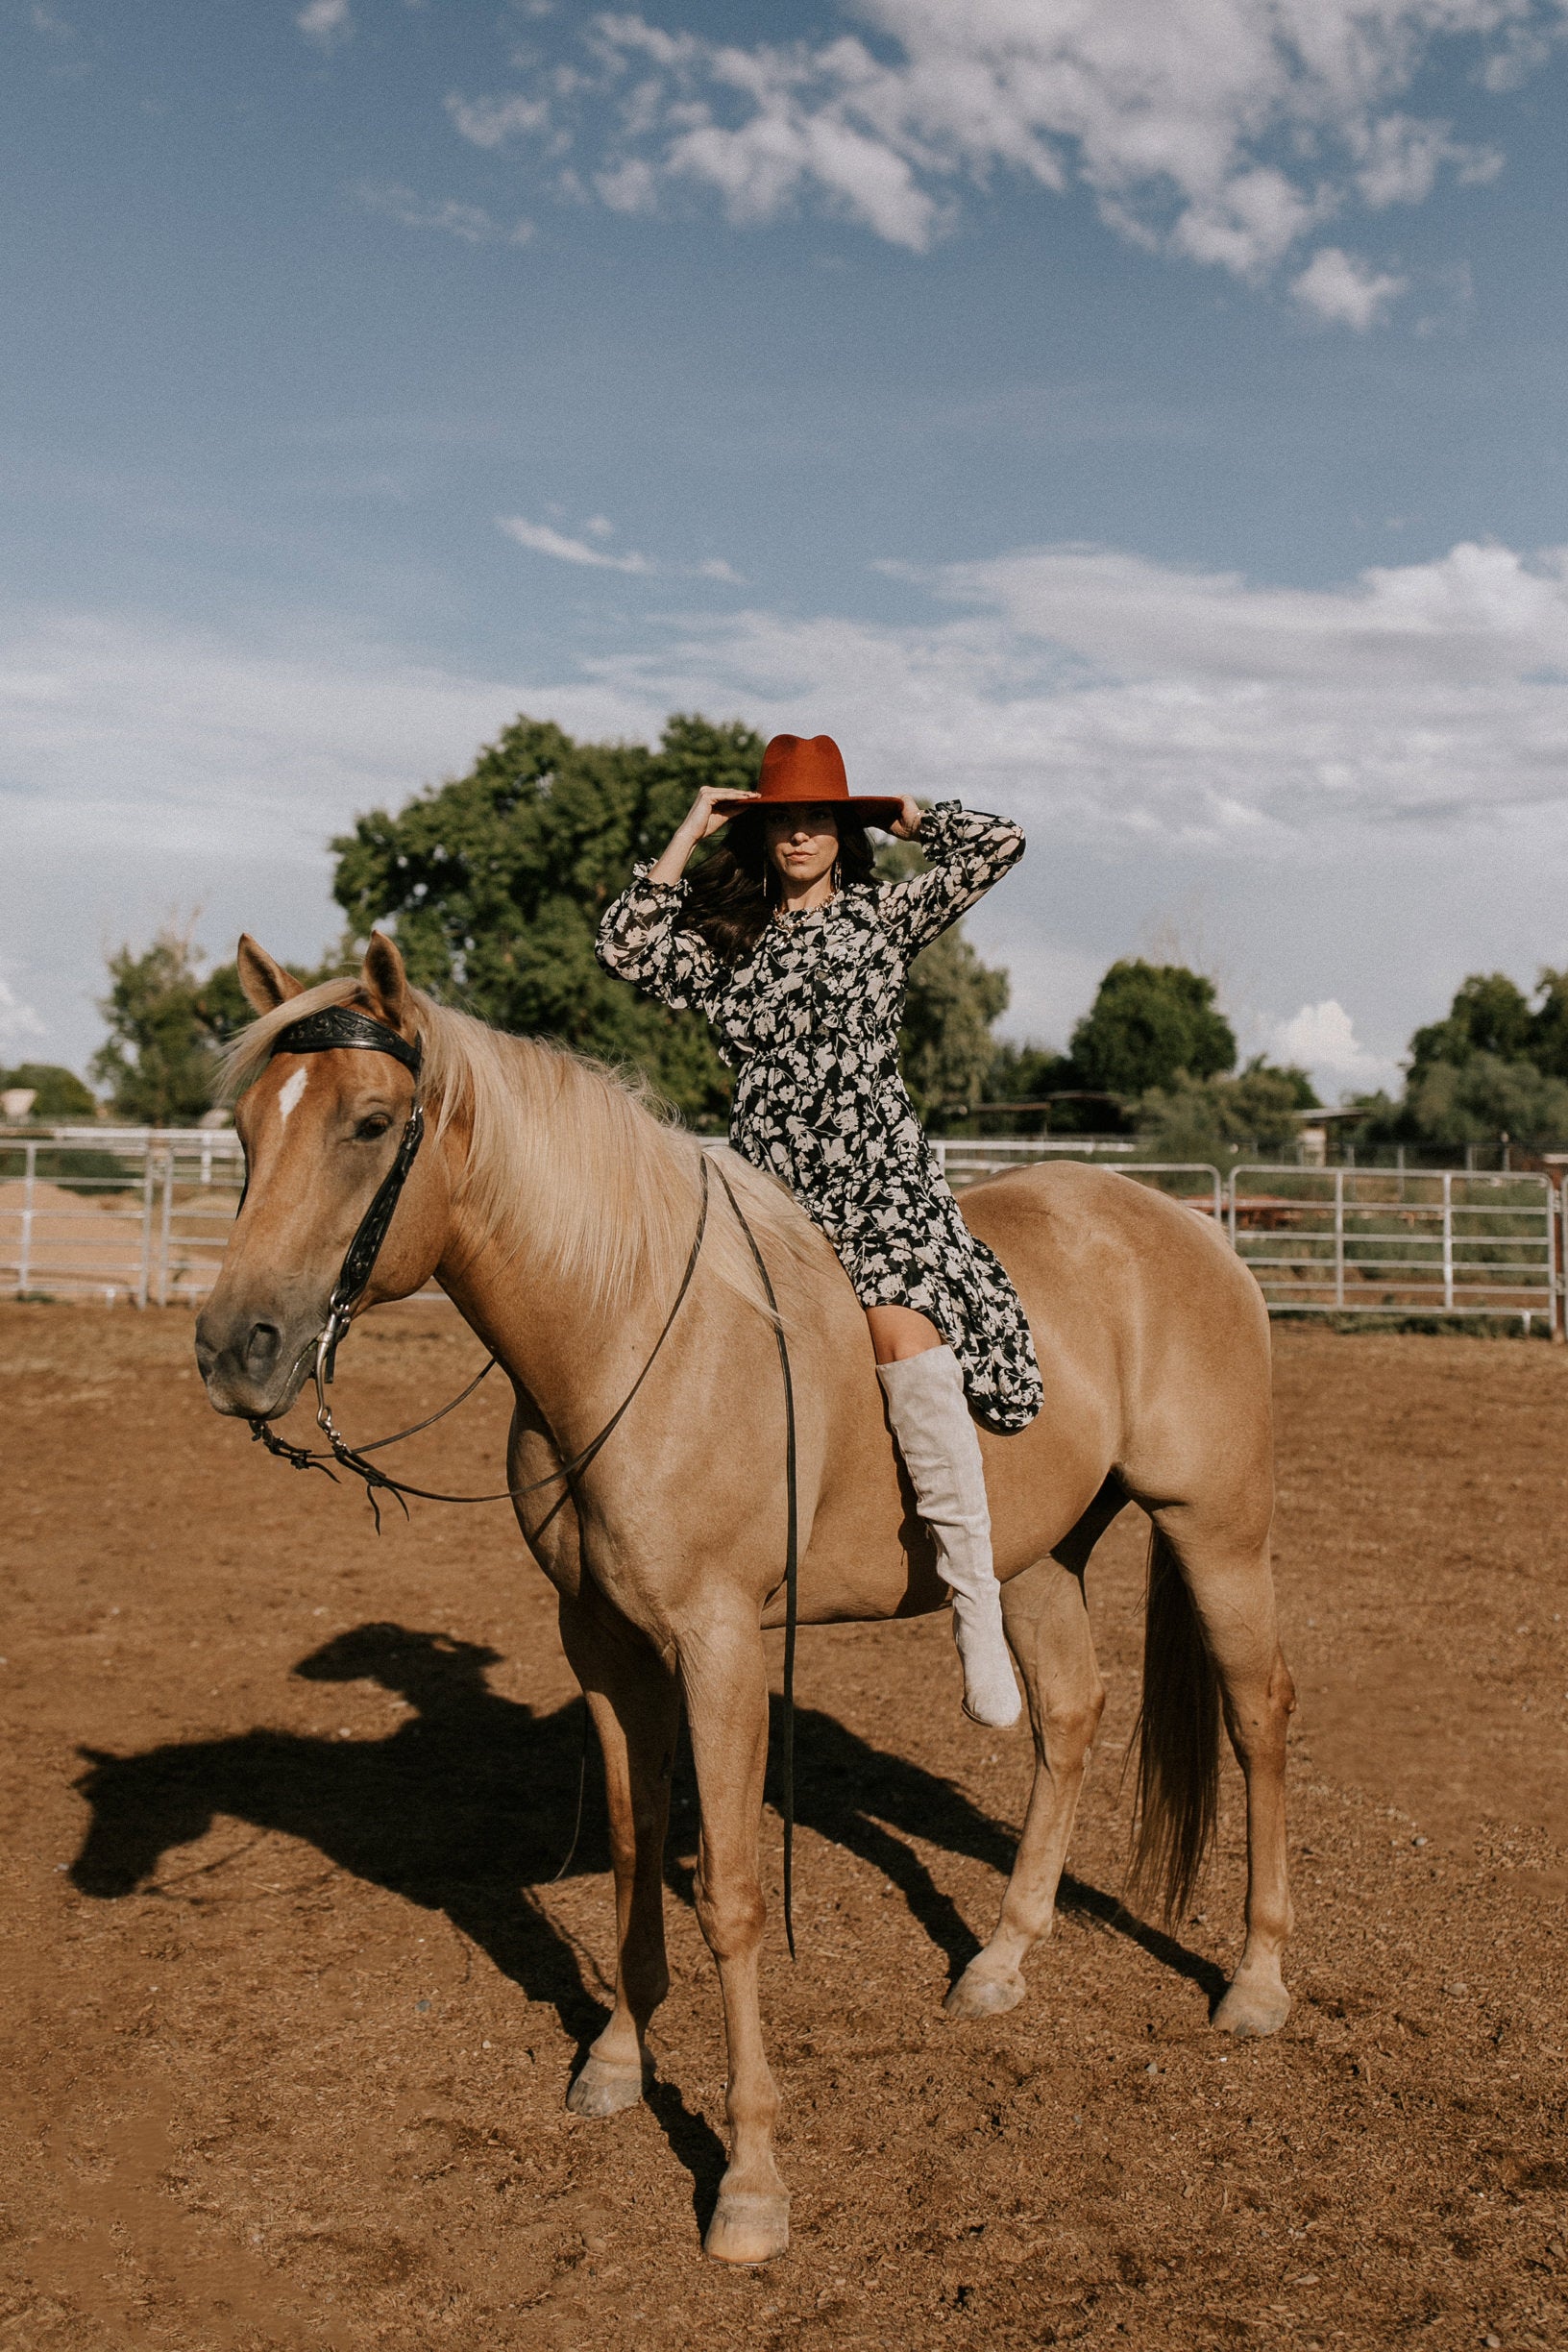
794	951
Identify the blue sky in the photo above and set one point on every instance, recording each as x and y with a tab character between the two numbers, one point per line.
1143	416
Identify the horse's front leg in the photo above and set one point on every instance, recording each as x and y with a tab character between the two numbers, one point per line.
635	1705
725	1673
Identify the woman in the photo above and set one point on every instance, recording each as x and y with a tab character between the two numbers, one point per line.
790	946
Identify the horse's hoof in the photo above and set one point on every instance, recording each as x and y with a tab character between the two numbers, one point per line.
1251	2011
601	2089
747	2229
976	1995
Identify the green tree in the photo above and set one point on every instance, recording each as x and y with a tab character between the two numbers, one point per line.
498	880
1148	1024
1483	1098
1489	1015
157	1063
1031	1074
60	1095
1218	1118
1548	1046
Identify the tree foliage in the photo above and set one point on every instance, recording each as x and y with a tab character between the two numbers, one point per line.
157	1063
1219	1117
498	880
1149	1025
1476	1101
1495	1064
1489	1015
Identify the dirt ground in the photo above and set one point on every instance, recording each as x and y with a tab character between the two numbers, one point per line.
293	1997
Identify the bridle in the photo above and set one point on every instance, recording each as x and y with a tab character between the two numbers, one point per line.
329	1031
324	1032
336	1026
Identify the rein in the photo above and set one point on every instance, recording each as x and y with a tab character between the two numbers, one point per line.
340	1025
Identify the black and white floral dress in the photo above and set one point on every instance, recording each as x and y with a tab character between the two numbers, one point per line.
809	1021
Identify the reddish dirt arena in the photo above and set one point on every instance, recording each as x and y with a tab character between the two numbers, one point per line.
293	2000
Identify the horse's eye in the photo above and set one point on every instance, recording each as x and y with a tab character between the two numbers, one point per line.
370	1128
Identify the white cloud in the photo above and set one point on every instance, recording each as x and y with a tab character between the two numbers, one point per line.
1400	159
470	223
544	540
18	1021
327	22
1321	1038
1222	130
1383	765
487	122
1345	290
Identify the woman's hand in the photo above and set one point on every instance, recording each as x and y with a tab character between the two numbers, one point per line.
701	820
907	823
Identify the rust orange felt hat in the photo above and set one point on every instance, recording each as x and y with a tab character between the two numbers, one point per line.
810	767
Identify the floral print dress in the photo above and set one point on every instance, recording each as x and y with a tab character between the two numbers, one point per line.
808	1020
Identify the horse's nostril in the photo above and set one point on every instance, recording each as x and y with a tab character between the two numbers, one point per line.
261	1347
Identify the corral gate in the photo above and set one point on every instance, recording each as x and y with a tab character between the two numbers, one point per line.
1382	1242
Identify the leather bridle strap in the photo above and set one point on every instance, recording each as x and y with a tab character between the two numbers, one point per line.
330	1030
332	1026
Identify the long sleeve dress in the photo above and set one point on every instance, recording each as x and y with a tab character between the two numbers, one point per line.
808	1020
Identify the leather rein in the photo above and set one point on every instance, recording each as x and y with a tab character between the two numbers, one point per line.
336	1026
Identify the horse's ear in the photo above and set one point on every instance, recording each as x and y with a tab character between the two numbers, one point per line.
385	978
266	983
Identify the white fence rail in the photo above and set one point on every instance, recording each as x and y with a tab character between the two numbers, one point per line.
144	1216
1385	1241
965	1159
127	1214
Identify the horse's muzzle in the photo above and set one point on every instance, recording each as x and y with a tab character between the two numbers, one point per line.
253	1367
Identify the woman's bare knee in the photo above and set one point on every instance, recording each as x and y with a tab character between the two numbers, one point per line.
900	1332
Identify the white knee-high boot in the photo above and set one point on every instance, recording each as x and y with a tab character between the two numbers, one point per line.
930	1418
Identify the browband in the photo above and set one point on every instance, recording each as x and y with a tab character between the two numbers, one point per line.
334	1025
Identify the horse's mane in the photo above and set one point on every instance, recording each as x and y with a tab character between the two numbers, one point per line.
580	1164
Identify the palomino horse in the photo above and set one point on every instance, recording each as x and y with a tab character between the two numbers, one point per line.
558	1214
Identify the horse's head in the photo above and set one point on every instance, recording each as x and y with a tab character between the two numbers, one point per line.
320	1130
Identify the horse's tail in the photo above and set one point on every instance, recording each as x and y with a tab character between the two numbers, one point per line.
1177	1743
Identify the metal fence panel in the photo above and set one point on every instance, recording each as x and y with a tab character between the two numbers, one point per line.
129	1214
116	1213
1390	1241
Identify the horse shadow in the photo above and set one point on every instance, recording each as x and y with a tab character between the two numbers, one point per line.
466	1809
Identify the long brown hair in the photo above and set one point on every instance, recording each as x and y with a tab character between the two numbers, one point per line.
733	892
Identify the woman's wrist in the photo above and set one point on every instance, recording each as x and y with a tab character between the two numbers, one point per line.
669	866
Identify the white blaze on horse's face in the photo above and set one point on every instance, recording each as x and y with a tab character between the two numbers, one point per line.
292	1091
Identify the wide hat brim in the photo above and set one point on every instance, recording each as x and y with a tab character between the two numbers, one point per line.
859	809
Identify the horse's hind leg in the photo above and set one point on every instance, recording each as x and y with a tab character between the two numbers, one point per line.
1231	1586
1047	1628
635	1705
